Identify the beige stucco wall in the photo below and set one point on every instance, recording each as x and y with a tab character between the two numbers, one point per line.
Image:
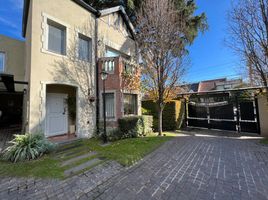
263	115
14	58
43	66
116	37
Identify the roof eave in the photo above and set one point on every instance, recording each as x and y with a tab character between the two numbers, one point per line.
124	14
87	7
26	6
26	12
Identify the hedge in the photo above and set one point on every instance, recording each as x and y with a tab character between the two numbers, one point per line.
136	126
173	114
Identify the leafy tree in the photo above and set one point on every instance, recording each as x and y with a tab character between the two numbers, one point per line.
248	37
165	29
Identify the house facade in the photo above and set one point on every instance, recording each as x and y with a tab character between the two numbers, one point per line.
65	40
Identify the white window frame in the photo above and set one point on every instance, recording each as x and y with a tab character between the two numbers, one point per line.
4	61
45	27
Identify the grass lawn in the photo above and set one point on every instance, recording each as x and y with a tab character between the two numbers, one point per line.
264	141
126	152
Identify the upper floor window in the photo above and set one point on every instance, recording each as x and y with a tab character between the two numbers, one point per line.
2	61
129	69
56	37
85	48
112	53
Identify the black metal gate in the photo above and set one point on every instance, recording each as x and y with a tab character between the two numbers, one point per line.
224	112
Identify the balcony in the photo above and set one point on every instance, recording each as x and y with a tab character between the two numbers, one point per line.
123	81
123	74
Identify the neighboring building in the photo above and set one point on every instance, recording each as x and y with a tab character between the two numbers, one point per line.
229	84
213	85
50	28
226	105
11	91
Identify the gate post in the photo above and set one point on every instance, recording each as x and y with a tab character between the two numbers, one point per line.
186	112
208	116
236	114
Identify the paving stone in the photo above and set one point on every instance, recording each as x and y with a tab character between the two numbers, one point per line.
188	167
81	167
197	168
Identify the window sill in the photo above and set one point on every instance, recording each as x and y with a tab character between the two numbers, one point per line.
110	119
53	53
130	115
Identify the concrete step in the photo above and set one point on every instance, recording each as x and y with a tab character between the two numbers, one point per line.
68	141
63	149
75	159
71	153
81	167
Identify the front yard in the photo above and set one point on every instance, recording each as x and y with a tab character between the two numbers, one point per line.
126	152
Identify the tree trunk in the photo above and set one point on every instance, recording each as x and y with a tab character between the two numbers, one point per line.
160	121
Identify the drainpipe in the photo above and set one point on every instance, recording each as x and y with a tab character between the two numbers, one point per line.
97	74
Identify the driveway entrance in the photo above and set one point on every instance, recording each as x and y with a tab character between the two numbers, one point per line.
224	112
197	165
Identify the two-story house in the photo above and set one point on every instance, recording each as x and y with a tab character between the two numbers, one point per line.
67	45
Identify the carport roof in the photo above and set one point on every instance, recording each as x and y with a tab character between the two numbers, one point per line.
7	83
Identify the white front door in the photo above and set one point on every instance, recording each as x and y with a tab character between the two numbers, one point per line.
56	115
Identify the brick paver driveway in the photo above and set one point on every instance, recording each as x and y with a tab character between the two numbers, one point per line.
187	167
195	167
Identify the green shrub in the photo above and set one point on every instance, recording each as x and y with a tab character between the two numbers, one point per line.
130	127
27	147
147	124
136	126
173	114
145	111
113	134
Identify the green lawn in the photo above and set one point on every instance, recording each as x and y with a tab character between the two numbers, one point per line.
264	141
126	152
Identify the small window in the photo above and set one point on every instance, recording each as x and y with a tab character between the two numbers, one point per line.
85	48
129	69
130	104
56	38
2	61
111	53
109	102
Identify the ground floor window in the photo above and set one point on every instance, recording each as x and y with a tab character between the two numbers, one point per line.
130	104
110	110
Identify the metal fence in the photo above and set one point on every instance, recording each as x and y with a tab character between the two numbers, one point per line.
224	112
